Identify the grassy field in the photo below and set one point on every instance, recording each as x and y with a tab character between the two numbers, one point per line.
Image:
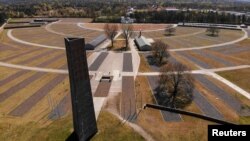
144	66
224	109
152	121
111	129
201	39
57	130
184	61
74	30
180	31
238	77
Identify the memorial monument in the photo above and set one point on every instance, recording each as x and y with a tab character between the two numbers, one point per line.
84	119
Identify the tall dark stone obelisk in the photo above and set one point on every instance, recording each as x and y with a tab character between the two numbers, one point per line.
84	119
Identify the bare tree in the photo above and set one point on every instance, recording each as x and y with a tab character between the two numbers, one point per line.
111	31
160	51
214	31
170	30
127	31
177	85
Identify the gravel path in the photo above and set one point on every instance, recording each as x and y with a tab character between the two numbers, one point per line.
19	55
103	89
12	77
128	106
29	103
35	57
12	90
52	60
62	108
231	49
127	62
195	60
215	58
167	116
220	93
98	61
206	107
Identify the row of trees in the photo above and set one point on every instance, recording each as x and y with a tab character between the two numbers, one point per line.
111	31
3	17
82	9
187	16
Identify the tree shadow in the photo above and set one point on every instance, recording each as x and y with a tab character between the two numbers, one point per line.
168	35
164	99
117	49
213	35
153	62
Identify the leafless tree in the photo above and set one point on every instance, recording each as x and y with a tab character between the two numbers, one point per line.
111	31
160	51
214	31
170	30
127	31
177	85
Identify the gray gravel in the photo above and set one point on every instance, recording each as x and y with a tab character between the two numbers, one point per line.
127	62
167	116
231	49
14	89
205	106
98	61
231	101
195	60
62	108
30	102
215	58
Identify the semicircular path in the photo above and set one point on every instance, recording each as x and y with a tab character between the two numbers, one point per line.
81	25
213	46
9	34
51	30
179	36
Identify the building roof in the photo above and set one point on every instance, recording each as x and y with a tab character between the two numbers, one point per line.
142	41
98	40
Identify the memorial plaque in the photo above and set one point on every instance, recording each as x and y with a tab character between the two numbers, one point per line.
84	119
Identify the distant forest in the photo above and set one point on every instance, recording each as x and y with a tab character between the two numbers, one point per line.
111	10
188	16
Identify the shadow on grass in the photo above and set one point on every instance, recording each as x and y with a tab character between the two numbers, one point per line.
168	35
164	99
212	35
117	49
153	62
